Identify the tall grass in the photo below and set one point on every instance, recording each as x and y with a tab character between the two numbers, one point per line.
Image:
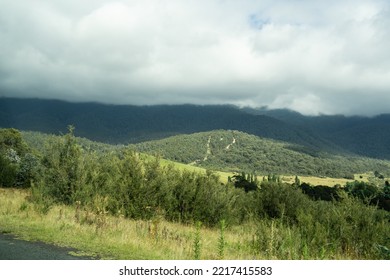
347	230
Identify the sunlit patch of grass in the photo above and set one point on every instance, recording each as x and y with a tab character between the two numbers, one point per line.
312	180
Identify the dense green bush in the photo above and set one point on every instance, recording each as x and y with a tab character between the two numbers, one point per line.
135	186
63	169
321	192
293	226
8	172
362	190
18	166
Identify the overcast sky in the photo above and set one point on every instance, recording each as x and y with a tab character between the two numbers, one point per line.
329	57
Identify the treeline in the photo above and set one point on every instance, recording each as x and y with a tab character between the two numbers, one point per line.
126	183
368	193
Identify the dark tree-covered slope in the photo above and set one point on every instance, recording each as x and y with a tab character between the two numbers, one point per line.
132	124
367	136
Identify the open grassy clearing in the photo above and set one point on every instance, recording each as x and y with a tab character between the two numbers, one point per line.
312	180
324	181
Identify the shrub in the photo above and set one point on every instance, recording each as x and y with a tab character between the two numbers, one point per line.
279	200
8	172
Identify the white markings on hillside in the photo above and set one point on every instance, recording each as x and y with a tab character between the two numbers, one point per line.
208	152
228	146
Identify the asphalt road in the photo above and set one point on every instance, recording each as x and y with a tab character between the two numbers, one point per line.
15	249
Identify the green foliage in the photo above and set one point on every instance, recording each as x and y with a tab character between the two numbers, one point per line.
288	223
317	229
237	151
297	182
42	199
280	201
197	241
386	190
8	172
30	170
246	182
63	171
11	139
362	190
18	167
135	185
221	240
193	191
321	192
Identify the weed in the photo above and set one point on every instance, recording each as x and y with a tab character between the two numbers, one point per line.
23	207
197	242
221	240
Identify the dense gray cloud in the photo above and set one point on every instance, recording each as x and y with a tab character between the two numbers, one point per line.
311	56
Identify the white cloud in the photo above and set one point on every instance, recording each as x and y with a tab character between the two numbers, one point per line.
310	56
306	103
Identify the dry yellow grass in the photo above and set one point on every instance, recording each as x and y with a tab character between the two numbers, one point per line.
326	181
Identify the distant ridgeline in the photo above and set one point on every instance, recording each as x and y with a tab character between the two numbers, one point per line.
123	124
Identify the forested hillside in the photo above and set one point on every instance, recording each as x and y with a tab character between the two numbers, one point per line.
125	124
368	136
237	151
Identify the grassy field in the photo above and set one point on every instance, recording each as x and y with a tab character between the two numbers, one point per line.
312	180
325	181
181	166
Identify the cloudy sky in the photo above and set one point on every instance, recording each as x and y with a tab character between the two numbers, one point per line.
326	57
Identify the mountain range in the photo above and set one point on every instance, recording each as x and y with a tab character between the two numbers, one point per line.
124	124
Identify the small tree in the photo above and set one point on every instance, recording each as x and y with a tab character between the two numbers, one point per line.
63	174
8	172
248	183
12	151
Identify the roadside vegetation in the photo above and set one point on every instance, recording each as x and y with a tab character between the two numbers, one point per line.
120	204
